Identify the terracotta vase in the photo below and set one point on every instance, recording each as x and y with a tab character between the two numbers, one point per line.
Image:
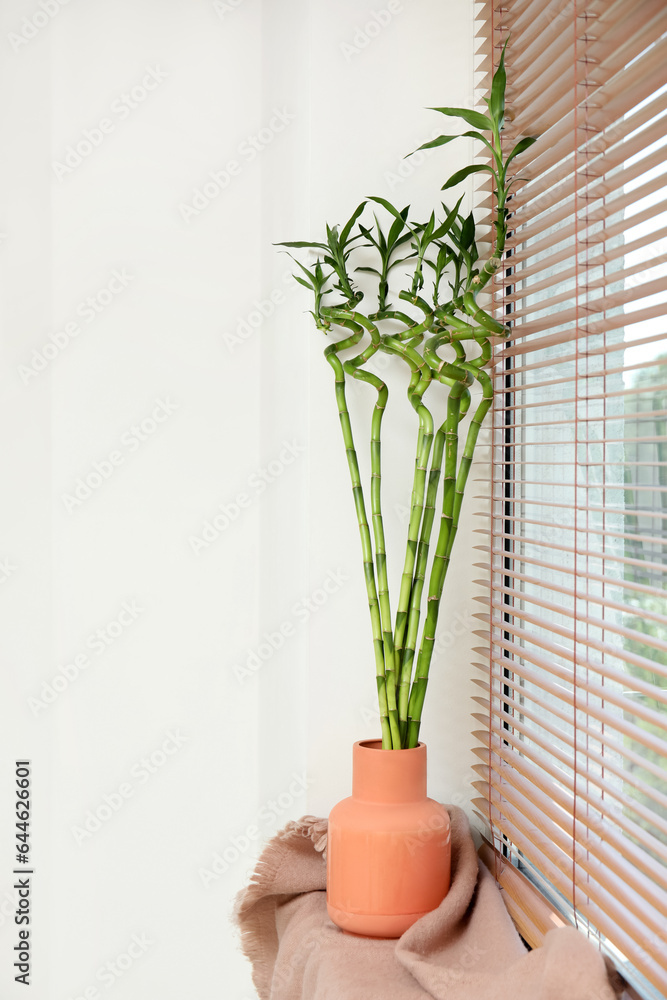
388	848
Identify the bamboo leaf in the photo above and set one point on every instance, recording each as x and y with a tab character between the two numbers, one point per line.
461	175
498	84
468	232
433	144
394	211
449	221
514	180
388	205
403	239
521	146
351	221
381	243
401	261
368	270
301	245
369	236
313	278
443	256
302	281
397	226
474	118
478	135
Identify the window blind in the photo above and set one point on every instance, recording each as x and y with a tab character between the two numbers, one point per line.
571	712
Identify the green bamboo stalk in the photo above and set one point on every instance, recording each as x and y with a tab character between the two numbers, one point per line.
415	391
355	320
381	563
441	562
331	354
489	325
458	392
402	317
421	377
417	584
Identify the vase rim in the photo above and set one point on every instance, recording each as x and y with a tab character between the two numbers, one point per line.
376	744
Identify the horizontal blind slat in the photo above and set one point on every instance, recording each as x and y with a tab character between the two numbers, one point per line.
553	567
600	254
639	710
546	682
551	585
550	708
548	111
605	763
596	835
601	624
514	751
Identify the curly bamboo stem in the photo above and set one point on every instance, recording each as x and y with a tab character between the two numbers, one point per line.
449	526
355	321
331	354
421	377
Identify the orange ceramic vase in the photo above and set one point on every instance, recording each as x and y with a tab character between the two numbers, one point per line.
388	848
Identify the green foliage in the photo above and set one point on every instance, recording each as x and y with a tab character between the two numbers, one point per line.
425	255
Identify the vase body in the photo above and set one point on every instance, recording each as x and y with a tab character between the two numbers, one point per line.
388	846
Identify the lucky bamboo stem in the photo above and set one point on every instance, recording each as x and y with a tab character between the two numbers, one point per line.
356	321
458	391
449	526
331	354
422	375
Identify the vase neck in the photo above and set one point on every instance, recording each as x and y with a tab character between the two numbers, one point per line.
388	775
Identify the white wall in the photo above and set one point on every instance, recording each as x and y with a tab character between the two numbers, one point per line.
163	396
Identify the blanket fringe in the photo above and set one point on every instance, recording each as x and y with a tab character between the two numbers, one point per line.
258	927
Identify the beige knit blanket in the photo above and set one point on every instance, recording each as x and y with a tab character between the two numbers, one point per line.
467	949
